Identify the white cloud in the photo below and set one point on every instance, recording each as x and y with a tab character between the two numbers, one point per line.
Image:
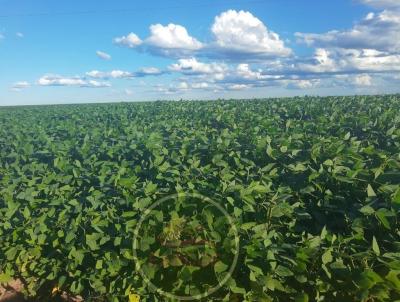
201	85
244	71
150	70
379	31
19	35
239	86
18	86
382	3
323	70
321	62
96	84
372	45
341	60
192	66
239	33
56	80
130	41
302	84
234	78
103	55
97	74
363	80
120	74
183	86
115	74
172	89
172	36
369	60
172	40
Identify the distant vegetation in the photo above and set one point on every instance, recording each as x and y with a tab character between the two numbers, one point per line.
312	184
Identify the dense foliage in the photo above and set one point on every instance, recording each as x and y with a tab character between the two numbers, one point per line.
313	186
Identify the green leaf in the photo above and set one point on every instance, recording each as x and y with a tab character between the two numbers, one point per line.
5	278
247	226
283	271
69	237
302	297
220	267
393	277
370	191
237	290
396	196
375	246
270	151
327	257
175	261
381	215
367	210
150	188
91	241
324	232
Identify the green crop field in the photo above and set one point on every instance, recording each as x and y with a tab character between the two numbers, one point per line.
267	200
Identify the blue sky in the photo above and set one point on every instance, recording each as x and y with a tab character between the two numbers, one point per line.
98	51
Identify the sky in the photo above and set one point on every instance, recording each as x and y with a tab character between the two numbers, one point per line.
54	52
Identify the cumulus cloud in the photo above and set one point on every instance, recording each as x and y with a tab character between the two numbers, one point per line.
193	67
172	36
171	40
212	75
339	60
131	40
372	45
57	80
363	80
302	84
240	34
244	71
379	31
19	35
243	53
103	55
18	86
237	35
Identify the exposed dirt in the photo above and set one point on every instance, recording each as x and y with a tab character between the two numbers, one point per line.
11	292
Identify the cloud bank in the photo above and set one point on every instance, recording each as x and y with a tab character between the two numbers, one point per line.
243	53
